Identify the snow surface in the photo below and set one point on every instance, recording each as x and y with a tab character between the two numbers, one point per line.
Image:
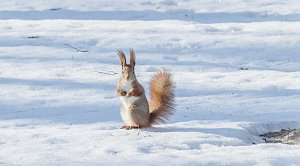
236	65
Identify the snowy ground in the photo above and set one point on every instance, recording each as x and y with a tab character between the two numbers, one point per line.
236	65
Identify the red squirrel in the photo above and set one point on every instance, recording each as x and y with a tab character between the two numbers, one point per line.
136	112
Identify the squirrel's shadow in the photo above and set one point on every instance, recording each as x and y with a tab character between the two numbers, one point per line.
241	134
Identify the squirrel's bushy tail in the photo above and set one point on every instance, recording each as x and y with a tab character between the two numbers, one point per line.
161	98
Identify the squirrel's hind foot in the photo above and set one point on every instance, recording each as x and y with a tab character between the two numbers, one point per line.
129	127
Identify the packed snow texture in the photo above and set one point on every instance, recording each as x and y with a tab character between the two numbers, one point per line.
236	65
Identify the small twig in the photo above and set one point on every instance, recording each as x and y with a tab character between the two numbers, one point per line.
78	50
53	9
33	37
244	68
112	73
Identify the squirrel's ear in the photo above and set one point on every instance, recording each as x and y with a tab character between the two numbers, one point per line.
122	58
132	58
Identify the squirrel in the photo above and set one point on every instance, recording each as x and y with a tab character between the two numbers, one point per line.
136	112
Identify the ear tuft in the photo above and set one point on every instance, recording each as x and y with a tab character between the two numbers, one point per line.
122	58
132	58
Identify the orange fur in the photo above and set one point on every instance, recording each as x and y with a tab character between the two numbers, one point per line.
162	97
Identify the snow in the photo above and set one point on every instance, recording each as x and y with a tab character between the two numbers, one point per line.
236	66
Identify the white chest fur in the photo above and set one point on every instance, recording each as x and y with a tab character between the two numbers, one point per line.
125	112
126	86
126	101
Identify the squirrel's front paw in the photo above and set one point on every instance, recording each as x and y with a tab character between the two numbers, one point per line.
128	94
122	93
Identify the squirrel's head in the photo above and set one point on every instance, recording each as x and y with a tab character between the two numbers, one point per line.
127	69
